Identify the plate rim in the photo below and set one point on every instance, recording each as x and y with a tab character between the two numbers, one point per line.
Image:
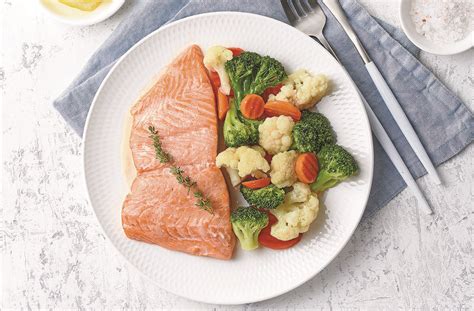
370	160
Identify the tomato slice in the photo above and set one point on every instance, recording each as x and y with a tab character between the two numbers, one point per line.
271	91
236	51
267	240
257	183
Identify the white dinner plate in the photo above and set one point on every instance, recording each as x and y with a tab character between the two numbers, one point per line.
249	276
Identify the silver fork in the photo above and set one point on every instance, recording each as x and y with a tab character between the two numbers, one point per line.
308	17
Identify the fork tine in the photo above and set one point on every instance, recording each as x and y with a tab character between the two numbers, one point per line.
299	10
305	6
292	17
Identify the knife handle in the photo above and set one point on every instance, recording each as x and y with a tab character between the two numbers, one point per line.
401	118
336	10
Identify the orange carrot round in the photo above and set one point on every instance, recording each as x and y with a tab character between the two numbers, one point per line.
307	167
222	105
257	183
281	108
252	106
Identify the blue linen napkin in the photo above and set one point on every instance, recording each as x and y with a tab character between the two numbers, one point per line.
443	123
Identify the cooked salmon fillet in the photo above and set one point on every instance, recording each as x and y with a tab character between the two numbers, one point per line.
159	210
181	107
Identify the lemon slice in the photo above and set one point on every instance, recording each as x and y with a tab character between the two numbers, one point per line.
83	5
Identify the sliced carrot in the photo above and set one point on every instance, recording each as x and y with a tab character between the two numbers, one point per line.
214	77
257	183
271	91
236	51
215	81
252	106
281	108
306	167
222	105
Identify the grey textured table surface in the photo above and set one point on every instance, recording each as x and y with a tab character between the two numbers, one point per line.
55	256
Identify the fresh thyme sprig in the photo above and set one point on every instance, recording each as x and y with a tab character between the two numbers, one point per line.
160	154
203	202
183	180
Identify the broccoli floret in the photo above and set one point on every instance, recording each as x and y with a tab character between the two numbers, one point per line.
270	73
247	222
268	197
236	132
242	71
335	165
249	73
312	132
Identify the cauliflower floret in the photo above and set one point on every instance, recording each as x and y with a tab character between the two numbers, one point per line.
283	169
242	161
214	59
299	194
303	89
250	161
259	149
295	217
229	161
275	134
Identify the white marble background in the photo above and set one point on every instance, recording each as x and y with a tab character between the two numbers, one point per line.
55	256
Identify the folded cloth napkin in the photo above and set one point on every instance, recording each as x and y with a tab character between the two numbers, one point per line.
443	123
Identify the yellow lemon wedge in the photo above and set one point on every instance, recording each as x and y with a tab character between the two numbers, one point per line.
83	5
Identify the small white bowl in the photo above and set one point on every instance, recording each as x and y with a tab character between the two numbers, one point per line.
76	17
425	44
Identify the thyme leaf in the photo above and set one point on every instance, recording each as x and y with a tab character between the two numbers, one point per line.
201	201
160	154
182	179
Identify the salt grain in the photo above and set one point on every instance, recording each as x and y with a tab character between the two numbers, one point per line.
443	21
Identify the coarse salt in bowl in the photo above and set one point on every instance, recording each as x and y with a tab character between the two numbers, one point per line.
442	27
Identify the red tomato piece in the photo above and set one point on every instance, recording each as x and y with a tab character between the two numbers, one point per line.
236	51
267	240
271	91
257	183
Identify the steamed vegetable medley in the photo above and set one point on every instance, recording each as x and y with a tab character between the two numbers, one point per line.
280	154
